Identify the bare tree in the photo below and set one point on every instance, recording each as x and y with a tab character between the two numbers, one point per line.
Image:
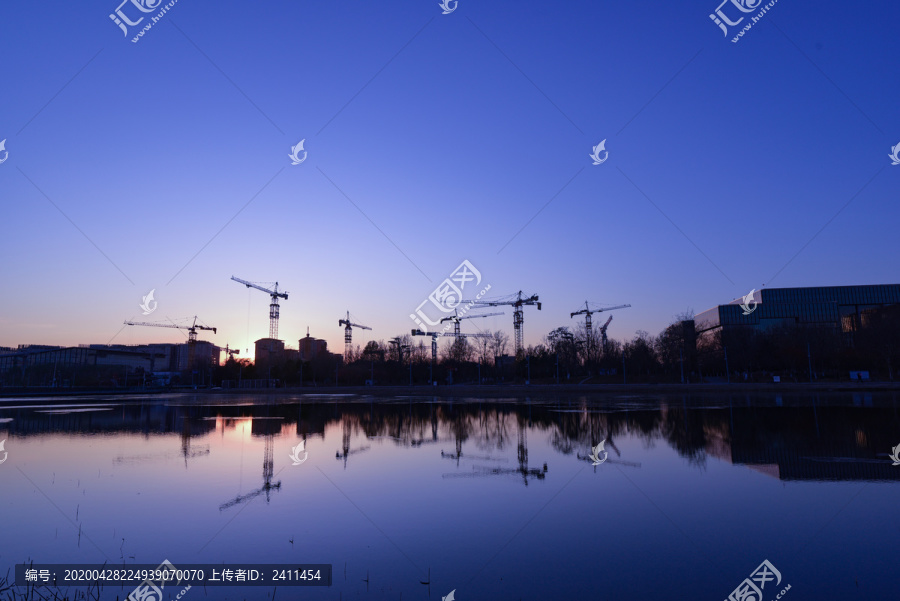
373	351
498	343
675	345
420	354
589	347
483	349
458	350
395	353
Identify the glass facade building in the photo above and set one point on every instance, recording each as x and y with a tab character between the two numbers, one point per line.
840	307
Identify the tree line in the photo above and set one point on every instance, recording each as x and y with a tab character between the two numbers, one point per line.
572	355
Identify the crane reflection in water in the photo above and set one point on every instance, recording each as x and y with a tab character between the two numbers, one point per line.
268	427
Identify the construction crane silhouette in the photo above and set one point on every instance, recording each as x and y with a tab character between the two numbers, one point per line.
522	457
348	332
186	451
516	301
590	309
192	333
398	342
456	318
603	338
273	306
434	337
231	352
268	468
345	443
459	455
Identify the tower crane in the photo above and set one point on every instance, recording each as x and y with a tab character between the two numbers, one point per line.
456	318
603	332
267	487
345	439
589	309
523	470
434	337
348	332
398	342
517	301
192	333
273	306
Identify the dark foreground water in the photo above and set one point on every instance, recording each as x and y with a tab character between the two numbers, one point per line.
495	499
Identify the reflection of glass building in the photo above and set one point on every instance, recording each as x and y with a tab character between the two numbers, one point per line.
843	308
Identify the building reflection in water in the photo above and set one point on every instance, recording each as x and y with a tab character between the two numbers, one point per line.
826	437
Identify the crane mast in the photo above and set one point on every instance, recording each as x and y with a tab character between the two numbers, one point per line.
348	332
231	352
398	342
274	309
517	302
603	333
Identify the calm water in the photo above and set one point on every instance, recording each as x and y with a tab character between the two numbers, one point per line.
694	494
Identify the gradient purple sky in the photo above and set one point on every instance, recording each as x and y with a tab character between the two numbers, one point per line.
432	139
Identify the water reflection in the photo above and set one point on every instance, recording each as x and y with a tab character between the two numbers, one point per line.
811	441
266	427
474	488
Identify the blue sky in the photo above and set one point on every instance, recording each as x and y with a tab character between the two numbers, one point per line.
431	139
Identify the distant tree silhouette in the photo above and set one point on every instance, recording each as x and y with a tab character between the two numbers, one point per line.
499	343
640	355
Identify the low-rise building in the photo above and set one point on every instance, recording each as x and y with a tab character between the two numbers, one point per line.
840	308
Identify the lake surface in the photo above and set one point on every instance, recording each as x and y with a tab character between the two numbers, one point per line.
493	498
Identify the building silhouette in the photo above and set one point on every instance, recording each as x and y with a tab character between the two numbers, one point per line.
839	308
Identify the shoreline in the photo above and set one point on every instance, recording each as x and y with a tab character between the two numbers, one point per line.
484	391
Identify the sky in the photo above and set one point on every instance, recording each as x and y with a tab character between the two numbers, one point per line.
433	139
